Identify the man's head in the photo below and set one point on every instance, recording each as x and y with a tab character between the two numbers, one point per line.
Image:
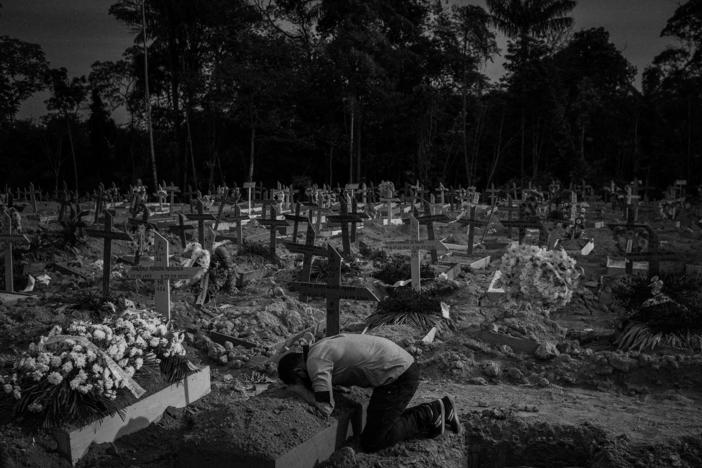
292	369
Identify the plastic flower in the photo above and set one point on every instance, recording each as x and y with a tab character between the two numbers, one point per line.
7	388
67	367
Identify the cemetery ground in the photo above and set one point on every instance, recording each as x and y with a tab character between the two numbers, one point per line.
531	390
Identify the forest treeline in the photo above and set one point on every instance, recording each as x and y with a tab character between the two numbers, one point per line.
348	90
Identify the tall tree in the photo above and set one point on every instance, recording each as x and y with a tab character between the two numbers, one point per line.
67	96
23	67
529	24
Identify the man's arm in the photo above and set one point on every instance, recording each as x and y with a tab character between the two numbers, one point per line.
320	371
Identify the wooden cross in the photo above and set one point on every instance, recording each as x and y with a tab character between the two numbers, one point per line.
171	190
108	235
180	229
417	191
388	204
9	238
442	193
200	217
492	194
344	218
238	226
296	219
334	291
162	273
471	223
249	187
415	245
523	224
273	224
308	250
428	221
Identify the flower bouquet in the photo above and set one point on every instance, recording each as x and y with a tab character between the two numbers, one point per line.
536	276
74	375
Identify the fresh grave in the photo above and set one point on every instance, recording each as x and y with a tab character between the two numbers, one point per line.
80	380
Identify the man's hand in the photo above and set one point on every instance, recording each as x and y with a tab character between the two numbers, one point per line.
325	408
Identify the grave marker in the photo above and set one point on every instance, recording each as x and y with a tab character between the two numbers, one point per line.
344	218
162	273
415	245
334	291
273	224
9	239
180	229
108	235
200	217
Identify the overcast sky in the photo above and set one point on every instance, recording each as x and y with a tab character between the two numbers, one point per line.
76	33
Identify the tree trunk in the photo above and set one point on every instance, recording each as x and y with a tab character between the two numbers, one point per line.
331	164
359	125
464	110
252	151
582	143
73	153
147	97
351	137
190	144
522	169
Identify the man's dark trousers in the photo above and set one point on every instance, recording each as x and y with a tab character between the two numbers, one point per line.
387	420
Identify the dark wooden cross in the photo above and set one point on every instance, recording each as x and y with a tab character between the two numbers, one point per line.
273	224
200	217
523	224
296	219
652	255
224	199
108	235
344	218
492	194
428	221
10	238
471	223
308	250
180	229
334	291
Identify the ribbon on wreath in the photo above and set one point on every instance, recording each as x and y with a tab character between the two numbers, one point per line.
130	383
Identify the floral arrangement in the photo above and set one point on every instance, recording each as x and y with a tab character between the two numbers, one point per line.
534	275
76	374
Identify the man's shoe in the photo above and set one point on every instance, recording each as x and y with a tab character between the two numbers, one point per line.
438	419
451	420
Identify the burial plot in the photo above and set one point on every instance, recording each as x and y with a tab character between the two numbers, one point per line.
108	235
415	245
162	273
334	291
428	221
